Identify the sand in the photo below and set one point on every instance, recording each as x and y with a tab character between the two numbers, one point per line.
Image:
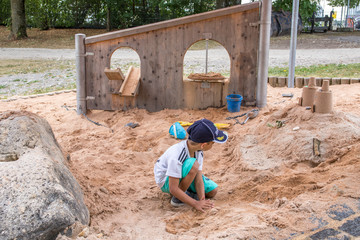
271	185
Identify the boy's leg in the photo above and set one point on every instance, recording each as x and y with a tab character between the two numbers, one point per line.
212	193
189	170
210	187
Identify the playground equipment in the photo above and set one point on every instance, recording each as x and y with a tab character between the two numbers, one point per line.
159	82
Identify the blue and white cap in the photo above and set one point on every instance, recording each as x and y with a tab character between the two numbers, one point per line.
205	130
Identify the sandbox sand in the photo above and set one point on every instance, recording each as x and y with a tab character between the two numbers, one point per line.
270	183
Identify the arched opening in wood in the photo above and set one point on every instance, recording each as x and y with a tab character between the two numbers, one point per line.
206	74
206	60
124	58
124	72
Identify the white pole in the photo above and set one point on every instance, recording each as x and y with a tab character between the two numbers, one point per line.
294	26
264	45
80	73
206	61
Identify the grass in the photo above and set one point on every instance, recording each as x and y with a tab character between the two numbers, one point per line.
53	38
11	67
328	70
31	82
51	89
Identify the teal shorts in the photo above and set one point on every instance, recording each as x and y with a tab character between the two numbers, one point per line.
209	185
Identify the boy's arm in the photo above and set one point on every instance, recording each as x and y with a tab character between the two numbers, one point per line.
200	205
199	186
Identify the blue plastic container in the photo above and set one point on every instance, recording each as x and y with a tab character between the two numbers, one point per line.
234	102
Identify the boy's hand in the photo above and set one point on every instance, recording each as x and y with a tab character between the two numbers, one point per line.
203	205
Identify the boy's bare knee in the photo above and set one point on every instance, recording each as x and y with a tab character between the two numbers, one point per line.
195	167
212	193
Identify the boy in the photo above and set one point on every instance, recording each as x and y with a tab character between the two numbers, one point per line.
179	170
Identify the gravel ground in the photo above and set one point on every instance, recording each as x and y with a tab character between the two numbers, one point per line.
278	57
194	61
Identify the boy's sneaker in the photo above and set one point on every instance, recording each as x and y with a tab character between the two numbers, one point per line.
192	195
177	203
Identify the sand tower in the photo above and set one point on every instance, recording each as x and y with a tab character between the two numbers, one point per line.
323	99
308	94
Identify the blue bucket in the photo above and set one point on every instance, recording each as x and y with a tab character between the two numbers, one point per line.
234	102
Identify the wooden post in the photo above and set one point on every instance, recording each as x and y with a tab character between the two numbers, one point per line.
281	82
299	82
80	73
318	81
272	81
345	81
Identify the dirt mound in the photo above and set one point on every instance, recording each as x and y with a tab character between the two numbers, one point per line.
271	185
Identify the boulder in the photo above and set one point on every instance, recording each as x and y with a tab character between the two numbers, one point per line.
39	197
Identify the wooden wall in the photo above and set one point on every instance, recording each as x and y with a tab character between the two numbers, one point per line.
162	47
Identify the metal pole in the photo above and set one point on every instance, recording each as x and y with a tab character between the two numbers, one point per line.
206	61
347	13
80	73
264	45
294	25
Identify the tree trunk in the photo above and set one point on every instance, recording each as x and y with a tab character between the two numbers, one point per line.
219	4
108	19
18	23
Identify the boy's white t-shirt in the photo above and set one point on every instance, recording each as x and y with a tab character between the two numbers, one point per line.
170	163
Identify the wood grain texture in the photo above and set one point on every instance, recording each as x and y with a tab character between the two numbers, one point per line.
162	51
130	86
172	23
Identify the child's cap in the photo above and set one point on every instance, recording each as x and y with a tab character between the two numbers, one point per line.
204	130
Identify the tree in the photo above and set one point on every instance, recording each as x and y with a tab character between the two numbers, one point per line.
343	3
306	7
227	3
18	23
5	12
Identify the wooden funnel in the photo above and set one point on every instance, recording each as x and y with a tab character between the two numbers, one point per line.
323	99
308	94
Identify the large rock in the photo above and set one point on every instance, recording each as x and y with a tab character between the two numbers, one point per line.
39	197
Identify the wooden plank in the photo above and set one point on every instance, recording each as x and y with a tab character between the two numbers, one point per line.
171	46
130	86
240	58
173	22
116	78
90	76
179	46
160	64
97	83
197	97
103	96
250	60
114	74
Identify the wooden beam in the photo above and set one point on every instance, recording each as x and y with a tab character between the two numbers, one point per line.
114	74
172	22
130	86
